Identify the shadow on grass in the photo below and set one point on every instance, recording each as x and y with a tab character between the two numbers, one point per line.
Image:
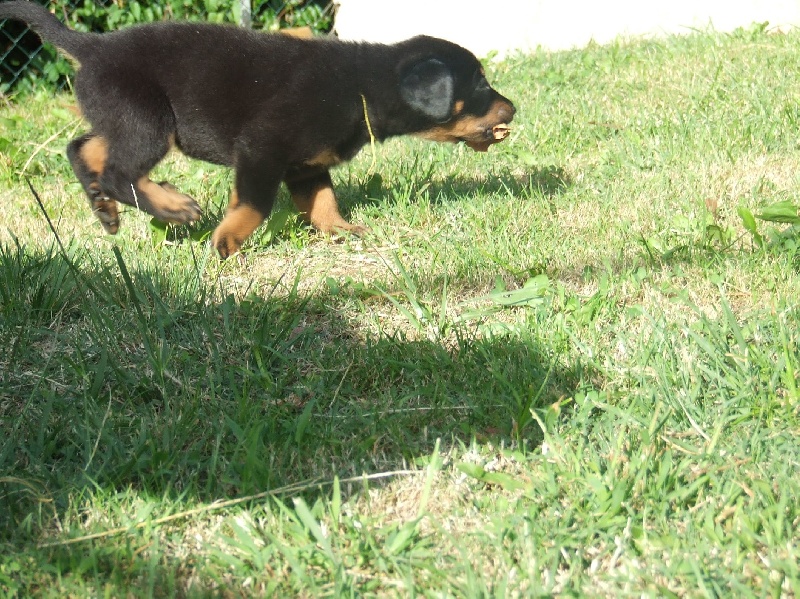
547	181
118	377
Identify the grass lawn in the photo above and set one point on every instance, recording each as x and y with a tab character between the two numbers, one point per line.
569	366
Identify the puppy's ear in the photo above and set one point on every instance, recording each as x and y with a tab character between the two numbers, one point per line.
428	88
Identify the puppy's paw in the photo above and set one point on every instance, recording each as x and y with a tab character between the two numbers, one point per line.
176	207
239	223
357	230
338	226
226	244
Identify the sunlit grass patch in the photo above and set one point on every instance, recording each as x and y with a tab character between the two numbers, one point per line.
567	366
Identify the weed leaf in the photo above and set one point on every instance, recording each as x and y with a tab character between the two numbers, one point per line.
780	212
500	479
310	522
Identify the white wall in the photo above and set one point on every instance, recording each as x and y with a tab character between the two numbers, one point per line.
504	25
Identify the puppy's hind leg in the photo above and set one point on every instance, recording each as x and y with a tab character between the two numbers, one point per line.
133	129
88	155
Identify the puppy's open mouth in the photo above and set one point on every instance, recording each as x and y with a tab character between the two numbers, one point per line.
497	134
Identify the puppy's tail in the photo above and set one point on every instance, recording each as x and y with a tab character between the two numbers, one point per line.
49	28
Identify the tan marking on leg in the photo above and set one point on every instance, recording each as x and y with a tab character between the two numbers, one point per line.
321	210
168	203
239	223
94	154
234	201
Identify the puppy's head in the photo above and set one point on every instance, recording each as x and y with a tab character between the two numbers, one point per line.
445	85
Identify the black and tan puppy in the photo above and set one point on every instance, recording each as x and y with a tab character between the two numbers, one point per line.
275	108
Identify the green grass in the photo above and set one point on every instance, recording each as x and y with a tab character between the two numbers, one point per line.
567	367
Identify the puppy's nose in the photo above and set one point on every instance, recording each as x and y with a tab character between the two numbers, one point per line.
506	112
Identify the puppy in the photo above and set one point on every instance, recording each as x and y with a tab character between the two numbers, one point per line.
275	108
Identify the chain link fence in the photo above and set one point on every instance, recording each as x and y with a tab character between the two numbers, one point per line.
26	63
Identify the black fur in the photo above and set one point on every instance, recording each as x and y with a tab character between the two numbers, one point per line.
273	107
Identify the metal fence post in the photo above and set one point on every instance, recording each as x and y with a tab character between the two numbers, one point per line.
246	17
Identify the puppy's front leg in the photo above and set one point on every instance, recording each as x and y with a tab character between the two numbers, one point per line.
251	202
312	193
